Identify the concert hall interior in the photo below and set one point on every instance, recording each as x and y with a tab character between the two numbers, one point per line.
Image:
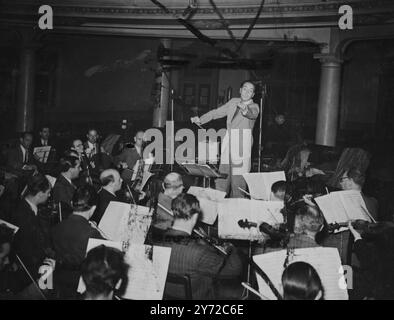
196	150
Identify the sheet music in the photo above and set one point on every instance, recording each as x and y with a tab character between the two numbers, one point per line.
148	272
51	180
332	208
260	183
208	199
148	268
326	262
145	178
9	225
232	210
354	204
42	153
342	206
121	223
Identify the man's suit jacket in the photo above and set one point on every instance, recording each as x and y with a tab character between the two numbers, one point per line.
235	120
70	239
163	220
30	241
63	191
200	261
15	160
105	198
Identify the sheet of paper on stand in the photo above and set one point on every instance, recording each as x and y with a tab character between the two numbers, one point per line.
208	199
148	272
260	183
42	153
200	170
342	206
326	262
51	180
233	210
10	225
148	267
125	222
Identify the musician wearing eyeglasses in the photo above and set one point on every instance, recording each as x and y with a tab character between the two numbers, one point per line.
241	114
189	256
172	187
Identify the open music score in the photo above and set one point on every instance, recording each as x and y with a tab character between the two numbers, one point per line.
342	206
326	262
42	153
120	224
260	183
148	268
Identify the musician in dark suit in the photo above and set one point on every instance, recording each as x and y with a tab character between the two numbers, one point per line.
70	239
64	188
91	146
192	257
129	157
30	242
111	182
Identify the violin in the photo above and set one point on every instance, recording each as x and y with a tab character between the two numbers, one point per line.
365	227
278	234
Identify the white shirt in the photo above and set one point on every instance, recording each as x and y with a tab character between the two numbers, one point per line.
44	142
24	151
67	179
32	206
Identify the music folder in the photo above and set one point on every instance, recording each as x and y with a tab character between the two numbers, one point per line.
200	170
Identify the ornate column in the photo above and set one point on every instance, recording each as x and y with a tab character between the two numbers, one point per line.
328	105
26	85
160	112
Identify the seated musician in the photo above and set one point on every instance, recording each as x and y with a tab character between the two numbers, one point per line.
64	188
111	182
70	239
6	239
78	151
104	272
30	240
21	164
308	222
127	160
172	187
354	179
45	140
190	256
300	281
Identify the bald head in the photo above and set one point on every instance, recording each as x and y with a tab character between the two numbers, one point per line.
173	184
110	180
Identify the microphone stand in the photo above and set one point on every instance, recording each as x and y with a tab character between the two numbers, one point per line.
263	94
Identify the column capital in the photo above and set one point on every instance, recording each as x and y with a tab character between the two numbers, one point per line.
328	59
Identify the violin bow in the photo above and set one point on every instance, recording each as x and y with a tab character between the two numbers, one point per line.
265	277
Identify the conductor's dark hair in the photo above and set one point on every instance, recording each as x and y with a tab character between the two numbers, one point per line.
278	186
6	234
184	206
356	175
68	162
102	269
36	184
84	198
300	281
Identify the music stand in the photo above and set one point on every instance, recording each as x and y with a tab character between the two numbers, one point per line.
202	170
